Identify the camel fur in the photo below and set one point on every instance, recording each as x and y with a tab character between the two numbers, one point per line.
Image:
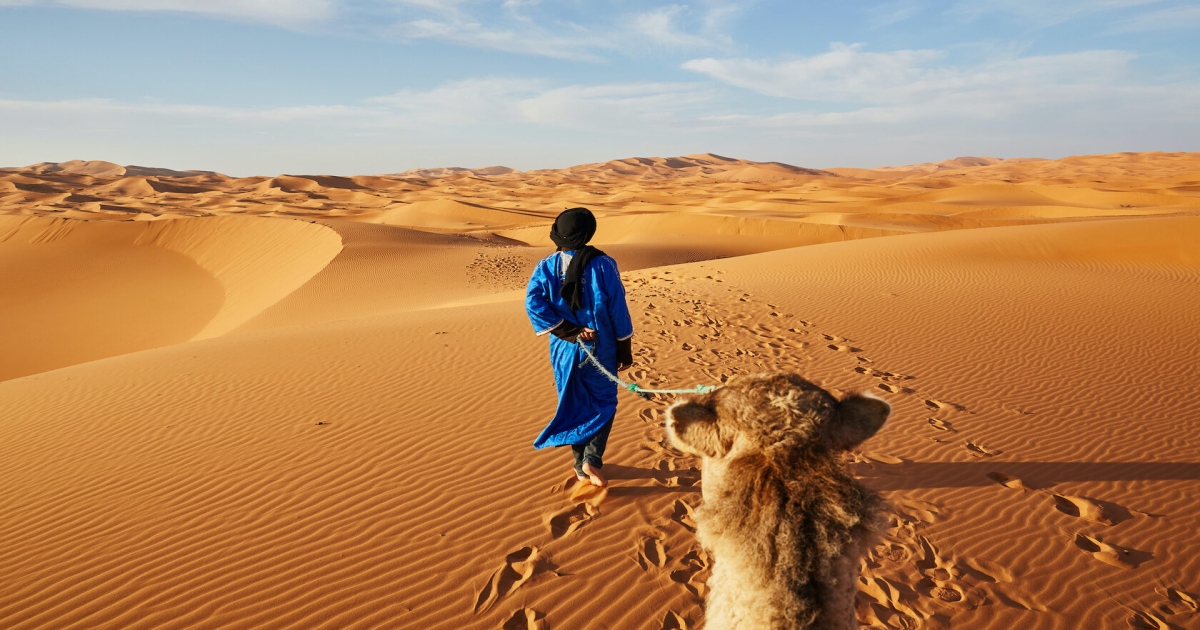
786	524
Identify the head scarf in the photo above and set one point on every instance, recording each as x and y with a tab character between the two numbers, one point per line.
571	231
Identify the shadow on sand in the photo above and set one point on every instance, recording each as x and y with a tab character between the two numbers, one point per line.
912	475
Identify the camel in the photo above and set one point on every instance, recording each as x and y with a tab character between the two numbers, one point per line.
786	524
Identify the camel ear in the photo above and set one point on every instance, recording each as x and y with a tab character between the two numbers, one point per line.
692	427
859	416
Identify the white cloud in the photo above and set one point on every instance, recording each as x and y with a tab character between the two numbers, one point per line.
665	26
1174	18
845	73
527	40
849	86
720	14
518	5
889	13
517	9
496	101
1034	106
462	102
618	107
1040	13
90	110
446	21
287	13
517	28
518	122
661	27
433	5
527	27
454	105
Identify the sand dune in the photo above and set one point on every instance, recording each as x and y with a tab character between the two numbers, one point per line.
449	171
948	165
671	238
1117	185
169	282
79	167
100	168
445	214
307	401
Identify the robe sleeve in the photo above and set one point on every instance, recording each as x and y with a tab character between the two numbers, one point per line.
537	303
618	309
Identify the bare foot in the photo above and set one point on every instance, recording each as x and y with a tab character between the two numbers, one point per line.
582	477
594	475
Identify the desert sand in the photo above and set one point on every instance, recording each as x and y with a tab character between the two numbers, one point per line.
309	401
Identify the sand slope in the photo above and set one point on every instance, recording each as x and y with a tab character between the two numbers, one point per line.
265	422
77	290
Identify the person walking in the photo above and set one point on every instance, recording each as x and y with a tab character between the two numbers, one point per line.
576	294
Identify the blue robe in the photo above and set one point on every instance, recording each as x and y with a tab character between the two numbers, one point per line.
586	399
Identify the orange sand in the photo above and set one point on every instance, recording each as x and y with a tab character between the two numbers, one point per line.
307	401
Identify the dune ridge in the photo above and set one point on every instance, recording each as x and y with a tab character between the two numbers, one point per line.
992	193
307	401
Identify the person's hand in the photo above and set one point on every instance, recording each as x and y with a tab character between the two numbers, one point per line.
587	334
567	332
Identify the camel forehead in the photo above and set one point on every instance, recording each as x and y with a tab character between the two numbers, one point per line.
773	402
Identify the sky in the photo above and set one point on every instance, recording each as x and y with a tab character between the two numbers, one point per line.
263	87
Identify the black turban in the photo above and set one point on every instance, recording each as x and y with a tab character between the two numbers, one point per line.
571	231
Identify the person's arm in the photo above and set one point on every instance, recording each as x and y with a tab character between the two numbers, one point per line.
618	314
567	331
537	304
542	314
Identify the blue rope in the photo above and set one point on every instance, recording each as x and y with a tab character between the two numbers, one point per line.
634	387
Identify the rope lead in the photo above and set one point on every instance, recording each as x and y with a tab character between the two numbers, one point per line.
634	387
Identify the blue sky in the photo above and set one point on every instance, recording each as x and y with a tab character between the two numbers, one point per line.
377	86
